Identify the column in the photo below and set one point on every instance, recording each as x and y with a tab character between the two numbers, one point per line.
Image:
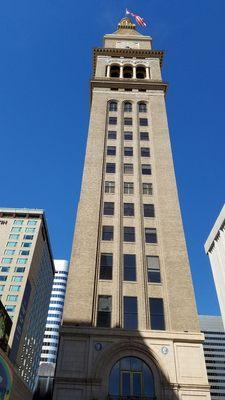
108	71
121	71
147	73
134	71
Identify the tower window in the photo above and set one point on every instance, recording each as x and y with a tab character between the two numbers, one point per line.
112	120
128	188
128	168
128	136
128	121
142	107
128	151
114	71
157	314
110	168
146	169
109	187
106	264
108	208
145	152
111	150
143	121
129	234
112	135
127	106
153	269
104	311
107	232
144	136
150	235
128	71
130	313
128	209
149	210
140	73
129	267
113	106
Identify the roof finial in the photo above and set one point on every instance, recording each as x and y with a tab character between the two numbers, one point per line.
126	23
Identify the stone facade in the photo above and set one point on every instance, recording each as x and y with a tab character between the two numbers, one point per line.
88	352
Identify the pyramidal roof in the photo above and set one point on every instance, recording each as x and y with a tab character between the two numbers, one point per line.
126	27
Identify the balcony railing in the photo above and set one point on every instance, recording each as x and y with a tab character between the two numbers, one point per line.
111	397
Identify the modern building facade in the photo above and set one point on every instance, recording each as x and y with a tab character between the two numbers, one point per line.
130	326
214	350
26	276
215	248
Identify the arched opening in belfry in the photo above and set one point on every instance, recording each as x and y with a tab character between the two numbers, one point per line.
140	72
127	71
114	71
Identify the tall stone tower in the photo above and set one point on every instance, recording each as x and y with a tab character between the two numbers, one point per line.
130	328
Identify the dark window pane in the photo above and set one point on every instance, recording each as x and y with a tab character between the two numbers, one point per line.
108	208
137	378
146	169
144	136
147	188
107	233
112	120
157	313
129	234
128	188
145	152
143	121
127	121
129	267
128	168
150	235
128	209
142	107
153	269
104	311
130	313
111	150
111	134
128	151
126	383
110	168
106	264
113	106
128	135
127	107
149	210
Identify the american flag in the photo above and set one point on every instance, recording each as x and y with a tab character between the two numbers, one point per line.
138	19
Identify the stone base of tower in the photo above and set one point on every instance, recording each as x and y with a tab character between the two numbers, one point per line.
88	355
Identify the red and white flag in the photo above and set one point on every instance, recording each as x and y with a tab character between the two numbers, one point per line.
138	19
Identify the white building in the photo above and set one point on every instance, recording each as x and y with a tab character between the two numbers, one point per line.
215	248
51	336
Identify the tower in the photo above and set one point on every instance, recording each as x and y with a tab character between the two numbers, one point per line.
130	327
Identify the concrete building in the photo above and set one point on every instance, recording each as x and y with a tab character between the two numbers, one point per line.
214	350
130	326
215	248
26	276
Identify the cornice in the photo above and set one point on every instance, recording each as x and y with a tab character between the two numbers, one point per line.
114	52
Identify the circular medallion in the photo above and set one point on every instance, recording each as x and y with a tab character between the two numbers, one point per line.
165	350
98	346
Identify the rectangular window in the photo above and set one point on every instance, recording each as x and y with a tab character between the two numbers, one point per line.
107	232
18	222
128	209
26	244
147	188
9	252
32	223
30	230
146	169
4	269
129	234
3	277
17	278
112	135
128	151
106	264
2	288
157	314
144	136
10	308
111	150
112	120
129	267
11	244
143	121
109	187
104	311
150	235
145	152
149	210
10	297
14	288
128	188
6	260
16	230
28	237
128	168
24	252
153	269
128	121
19	269
128	135
12	236
130	313
110	168
21	260
108	208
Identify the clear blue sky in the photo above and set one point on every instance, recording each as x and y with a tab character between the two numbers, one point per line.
45	66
